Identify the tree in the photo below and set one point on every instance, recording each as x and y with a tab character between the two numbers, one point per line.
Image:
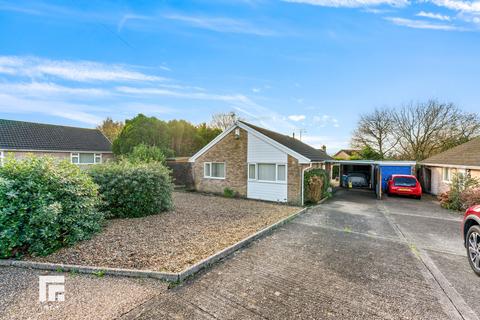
145	154
367	153
185	140
207	133
224	121
111	129
143	130
375	131
424	129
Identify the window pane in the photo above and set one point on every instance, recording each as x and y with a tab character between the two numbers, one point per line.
218	170
251	171
86	157
281	172
207	170
98	158
266	172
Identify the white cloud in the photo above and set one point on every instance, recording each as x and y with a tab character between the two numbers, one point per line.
42	89
325	120
458	5
82	71
352	3
221	24
333	143
297	117
420	24
432	15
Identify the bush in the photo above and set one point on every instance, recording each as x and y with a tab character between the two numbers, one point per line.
470	197
133	190
45	205
146	154
229	193
316	188
460	184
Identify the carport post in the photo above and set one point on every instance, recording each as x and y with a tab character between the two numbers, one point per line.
379	183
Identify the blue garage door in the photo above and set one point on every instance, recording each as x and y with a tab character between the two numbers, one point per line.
388	171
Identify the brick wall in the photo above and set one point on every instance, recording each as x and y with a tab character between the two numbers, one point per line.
294	181
59	155
233	152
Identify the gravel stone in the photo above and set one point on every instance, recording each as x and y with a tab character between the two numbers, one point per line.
199	226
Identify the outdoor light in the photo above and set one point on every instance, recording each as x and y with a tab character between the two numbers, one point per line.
237	133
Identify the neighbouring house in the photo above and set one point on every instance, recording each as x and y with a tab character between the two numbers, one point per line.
256	163
78	145
345	154
437	171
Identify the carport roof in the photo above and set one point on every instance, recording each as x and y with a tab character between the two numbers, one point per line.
375	162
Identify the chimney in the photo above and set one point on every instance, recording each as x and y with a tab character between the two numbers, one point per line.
324	148
293	135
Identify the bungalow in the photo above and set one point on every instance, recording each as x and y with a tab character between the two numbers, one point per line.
437	171
256	163
79	145
345	154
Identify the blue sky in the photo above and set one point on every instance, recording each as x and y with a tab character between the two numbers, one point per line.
285	65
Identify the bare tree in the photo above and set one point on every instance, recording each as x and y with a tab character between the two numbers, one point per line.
375	131
223	121
424	129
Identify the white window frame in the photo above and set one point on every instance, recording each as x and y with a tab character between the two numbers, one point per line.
209	176
449	173
276	172
77	155
2	157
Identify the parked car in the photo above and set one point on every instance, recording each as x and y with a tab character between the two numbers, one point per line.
405	185
471	237
358	180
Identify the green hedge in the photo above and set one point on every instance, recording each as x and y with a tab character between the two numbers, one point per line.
326	183
45	205
133	190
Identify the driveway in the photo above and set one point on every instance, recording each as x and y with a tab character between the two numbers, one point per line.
345	259
351	257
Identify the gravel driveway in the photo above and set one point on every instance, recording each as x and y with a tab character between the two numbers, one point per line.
199	226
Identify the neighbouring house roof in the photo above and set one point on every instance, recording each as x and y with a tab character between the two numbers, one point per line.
302	151
349	152
464	155
293	144
29	136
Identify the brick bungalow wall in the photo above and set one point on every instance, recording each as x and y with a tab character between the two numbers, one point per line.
233	152
58	155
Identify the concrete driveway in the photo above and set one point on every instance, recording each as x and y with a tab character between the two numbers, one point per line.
353	257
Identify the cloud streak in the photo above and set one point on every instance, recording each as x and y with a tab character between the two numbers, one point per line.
80	71
220	24
352	3
432	15
420	24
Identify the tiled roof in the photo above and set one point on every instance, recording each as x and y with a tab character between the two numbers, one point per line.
293	144
467	154
20	135
349	152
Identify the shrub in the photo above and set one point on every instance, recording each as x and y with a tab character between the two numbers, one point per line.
317	188
45	205
146	154
133	190
453	198
470	197
229	193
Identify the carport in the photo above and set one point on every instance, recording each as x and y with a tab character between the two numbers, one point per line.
377	172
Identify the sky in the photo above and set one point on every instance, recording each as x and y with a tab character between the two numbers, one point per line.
296	65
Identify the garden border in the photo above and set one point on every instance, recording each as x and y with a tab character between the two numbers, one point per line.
166	276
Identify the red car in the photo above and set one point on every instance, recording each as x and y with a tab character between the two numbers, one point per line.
471	237
404	185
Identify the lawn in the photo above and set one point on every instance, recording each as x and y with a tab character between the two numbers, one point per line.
199	226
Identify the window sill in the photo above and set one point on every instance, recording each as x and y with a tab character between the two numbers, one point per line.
213	178
270	182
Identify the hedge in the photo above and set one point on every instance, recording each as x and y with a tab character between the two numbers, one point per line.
45	205
325	183
130	190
